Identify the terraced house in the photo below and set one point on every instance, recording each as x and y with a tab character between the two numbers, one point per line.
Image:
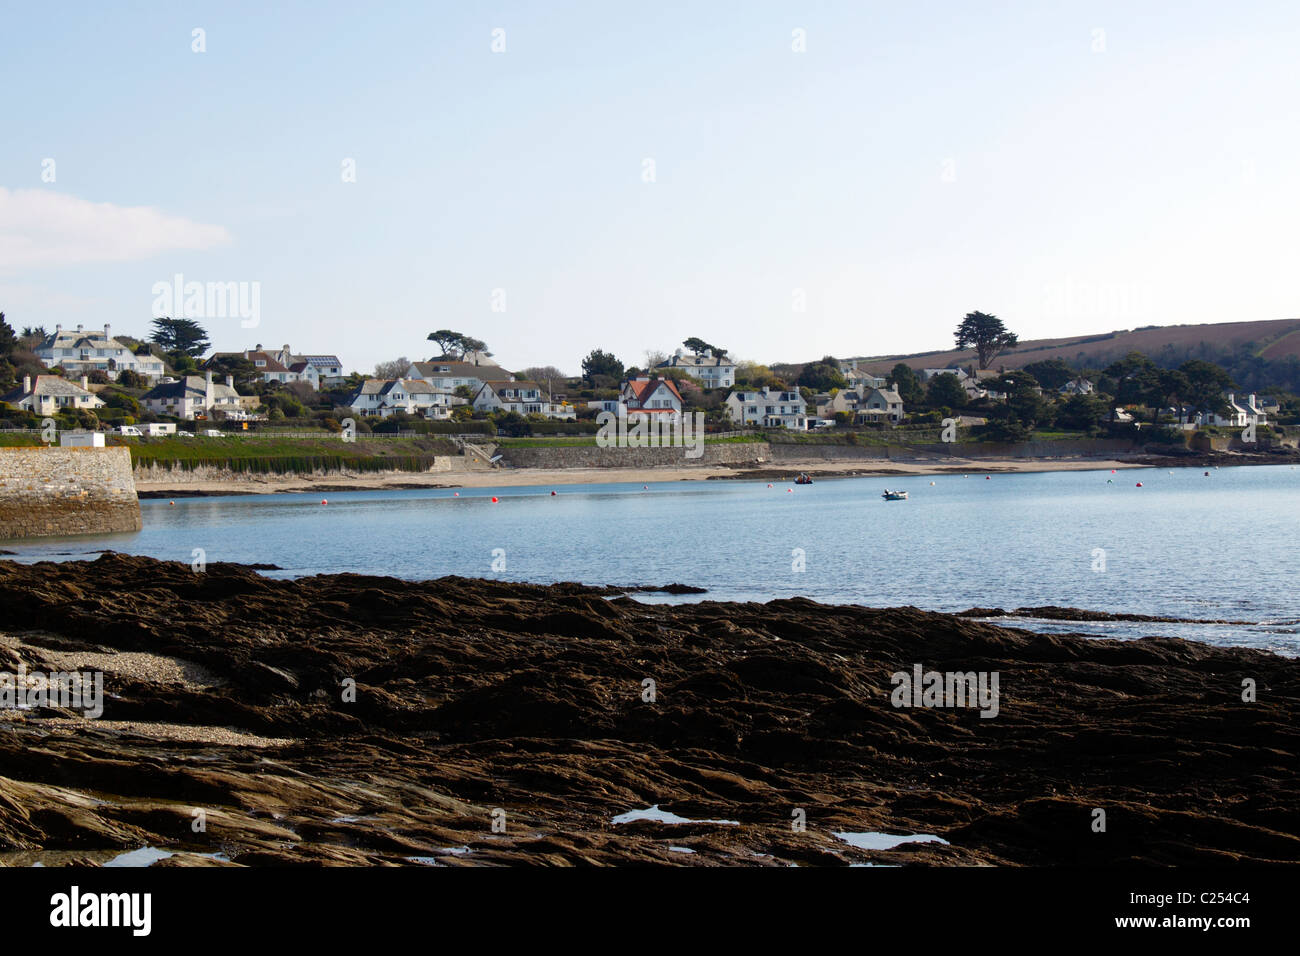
770	408
81	351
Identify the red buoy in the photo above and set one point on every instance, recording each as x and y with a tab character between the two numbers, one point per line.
552	494
495	499
324	502
1139	484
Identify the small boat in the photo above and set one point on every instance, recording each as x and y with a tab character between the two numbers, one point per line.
803	480
894	495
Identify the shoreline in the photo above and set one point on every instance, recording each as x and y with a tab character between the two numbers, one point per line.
484	697
531	477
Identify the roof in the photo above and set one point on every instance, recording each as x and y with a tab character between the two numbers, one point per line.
272	364
768	394
644	387
463	370
191	387
697	361
382	386
321	361
48	385
76	338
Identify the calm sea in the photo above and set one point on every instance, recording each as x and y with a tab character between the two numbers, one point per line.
1183	545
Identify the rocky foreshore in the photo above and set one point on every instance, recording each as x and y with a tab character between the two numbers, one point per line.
363	720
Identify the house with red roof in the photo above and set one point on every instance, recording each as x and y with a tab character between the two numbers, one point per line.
656	396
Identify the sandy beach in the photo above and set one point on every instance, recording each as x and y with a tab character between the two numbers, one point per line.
530	477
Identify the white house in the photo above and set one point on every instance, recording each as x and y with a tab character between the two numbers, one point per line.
282	365
928	373
382	397
860	378
713	371
194	397
451	375
82	351
1078	386
770	408
525	398
1241	413
656	396
47	394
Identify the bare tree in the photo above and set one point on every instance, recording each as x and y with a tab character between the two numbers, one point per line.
397	368
654	357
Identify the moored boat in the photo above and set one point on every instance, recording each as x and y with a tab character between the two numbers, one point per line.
894	495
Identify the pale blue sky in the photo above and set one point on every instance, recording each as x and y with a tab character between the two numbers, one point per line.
918	161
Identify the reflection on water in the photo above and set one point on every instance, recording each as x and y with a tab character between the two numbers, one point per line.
1183	545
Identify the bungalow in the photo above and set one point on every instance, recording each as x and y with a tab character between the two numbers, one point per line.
48	394
770	408
658	396
84	351
383	397
194	397
713	371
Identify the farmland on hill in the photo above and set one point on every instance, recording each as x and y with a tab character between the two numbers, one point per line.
1258	355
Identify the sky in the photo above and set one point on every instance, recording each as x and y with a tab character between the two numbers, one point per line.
784	180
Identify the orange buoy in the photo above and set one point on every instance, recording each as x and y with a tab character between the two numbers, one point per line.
495	499
172	503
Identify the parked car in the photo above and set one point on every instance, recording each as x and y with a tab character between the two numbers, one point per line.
129	430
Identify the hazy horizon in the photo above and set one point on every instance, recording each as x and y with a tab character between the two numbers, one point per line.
1076	170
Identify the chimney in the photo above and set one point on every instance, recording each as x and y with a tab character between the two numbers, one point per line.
27	384
107	328
208	396
78	327
230	381
58	326
85	382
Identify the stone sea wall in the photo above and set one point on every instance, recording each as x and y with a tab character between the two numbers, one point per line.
60	491
593	456
180	477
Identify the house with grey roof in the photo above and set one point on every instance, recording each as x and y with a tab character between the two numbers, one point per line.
47	394
80	351
195	396
712	371
383	397
770	408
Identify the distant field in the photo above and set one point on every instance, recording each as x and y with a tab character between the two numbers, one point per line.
1278	339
